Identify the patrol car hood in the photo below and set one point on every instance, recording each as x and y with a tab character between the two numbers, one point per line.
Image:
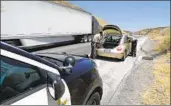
82	66
60	57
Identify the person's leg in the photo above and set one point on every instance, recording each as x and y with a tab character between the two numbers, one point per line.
134	48
95	45
92	49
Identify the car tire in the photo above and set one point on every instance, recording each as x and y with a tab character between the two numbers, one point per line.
85	39
89	38
94	99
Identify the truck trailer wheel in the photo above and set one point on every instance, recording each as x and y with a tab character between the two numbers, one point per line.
89	38
85	38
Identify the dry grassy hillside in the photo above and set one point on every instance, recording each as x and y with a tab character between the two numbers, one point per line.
152	31
160	34
163	39
127	32
159	92
68	4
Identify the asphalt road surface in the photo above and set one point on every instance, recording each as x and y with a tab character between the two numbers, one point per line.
112	71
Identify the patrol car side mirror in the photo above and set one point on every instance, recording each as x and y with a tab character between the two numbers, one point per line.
68	63
56	86
58	89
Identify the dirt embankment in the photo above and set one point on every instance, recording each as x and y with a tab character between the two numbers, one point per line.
158	92
151	31
160	35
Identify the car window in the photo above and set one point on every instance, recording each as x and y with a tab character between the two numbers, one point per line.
17	77
112	38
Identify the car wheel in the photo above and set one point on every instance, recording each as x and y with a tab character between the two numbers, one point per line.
94	99
85	39
89	38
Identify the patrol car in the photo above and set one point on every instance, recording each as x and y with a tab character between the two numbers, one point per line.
47	79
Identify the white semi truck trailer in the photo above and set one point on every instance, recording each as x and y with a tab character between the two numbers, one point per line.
38	23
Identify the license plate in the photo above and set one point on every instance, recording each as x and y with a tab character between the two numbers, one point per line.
107	50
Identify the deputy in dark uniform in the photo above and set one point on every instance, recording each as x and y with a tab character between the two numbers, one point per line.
134	47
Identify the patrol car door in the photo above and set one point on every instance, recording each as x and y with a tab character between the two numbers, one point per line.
22	83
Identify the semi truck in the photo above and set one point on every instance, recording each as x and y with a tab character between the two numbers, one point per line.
39	23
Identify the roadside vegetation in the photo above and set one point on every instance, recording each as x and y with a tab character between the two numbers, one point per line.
163	40
159	34
159	92
68	4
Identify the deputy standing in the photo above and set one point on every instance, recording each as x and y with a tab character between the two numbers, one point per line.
134	47
95	41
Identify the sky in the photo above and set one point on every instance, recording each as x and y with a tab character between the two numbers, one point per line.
130	15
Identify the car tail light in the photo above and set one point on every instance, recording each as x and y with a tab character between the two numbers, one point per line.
119	49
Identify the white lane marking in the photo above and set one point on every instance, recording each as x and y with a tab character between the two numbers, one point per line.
28	61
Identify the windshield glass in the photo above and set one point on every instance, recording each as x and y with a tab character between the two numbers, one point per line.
112	38
111	41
